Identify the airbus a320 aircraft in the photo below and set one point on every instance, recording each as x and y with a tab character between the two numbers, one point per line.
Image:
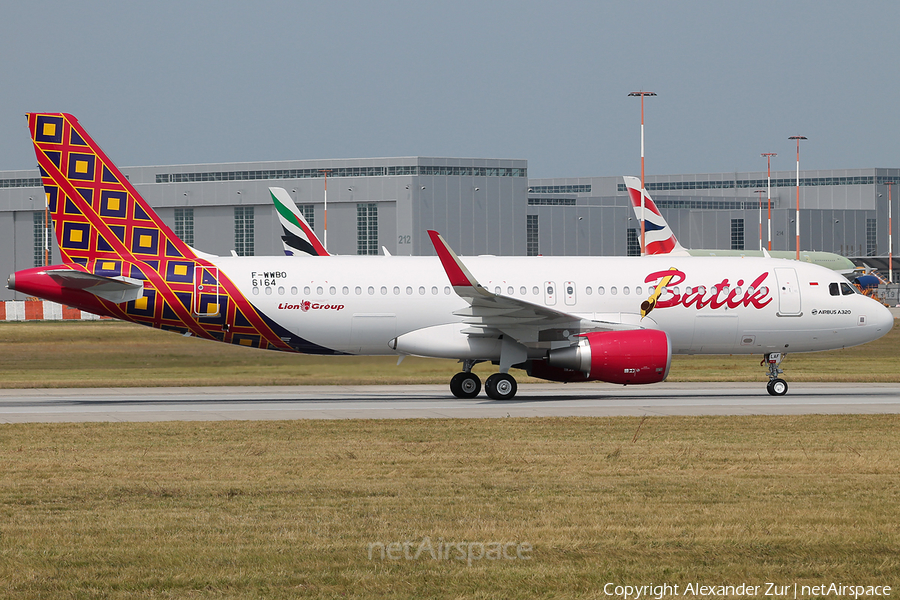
659	238
562	319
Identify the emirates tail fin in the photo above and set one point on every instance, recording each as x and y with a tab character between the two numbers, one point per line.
298	237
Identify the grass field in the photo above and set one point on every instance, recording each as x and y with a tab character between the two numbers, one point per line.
291	509
111	353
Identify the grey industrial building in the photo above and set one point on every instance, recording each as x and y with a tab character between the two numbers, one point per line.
481	206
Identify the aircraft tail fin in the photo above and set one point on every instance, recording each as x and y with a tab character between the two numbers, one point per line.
659	237
96	211
298	237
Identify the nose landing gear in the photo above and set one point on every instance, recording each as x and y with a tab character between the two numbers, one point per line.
776	386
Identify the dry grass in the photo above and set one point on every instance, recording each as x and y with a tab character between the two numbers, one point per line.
287	509
92	354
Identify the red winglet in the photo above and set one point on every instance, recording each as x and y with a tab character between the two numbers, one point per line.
457	273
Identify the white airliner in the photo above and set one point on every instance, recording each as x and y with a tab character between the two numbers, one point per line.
559	318
659	238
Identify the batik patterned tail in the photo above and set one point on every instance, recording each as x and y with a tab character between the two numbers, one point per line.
96	211
105	228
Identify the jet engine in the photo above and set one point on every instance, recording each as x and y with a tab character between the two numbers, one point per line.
627	357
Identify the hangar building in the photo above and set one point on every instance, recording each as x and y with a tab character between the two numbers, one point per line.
481	206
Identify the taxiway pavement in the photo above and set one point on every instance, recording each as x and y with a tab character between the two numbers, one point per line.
435	401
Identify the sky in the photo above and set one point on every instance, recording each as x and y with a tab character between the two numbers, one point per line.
163	83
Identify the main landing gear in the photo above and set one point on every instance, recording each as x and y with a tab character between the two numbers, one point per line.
465	385
499	386
776	386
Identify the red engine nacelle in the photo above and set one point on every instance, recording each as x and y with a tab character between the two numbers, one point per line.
626	357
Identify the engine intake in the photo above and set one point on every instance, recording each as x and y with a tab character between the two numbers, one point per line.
627	357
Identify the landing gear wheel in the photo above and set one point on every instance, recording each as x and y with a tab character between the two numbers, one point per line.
777	387
465	385
500	386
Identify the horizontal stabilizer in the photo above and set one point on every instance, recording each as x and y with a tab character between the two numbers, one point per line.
112	289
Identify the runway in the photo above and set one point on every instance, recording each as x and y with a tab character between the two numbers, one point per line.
435	401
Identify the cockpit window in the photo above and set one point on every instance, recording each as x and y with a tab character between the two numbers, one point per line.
834	289
847	289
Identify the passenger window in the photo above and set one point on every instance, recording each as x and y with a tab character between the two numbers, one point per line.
834	289
600	291
625	290
613	290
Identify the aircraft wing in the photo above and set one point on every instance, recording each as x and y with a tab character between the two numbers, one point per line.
489	314
113	289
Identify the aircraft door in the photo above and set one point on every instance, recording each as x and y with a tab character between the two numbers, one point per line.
788	292
206	291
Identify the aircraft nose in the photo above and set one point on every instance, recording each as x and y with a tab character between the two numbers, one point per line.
883	320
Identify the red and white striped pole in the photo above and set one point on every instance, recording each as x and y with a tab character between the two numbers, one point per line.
798	138
769	156
325	210
643	188
890	236
760	192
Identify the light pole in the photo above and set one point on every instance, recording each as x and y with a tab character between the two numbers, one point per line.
325	210
890	238
798	138
643	192
769	156
760	192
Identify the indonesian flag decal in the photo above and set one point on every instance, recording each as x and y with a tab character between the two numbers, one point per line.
659	238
